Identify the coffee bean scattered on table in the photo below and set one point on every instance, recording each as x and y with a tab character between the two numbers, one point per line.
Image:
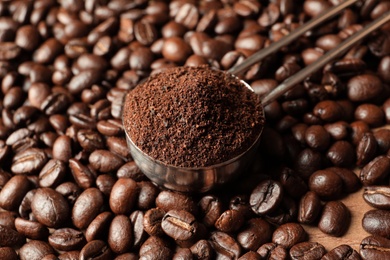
69	188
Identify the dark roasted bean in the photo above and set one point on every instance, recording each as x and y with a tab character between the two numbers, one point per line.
342	252
289	234
375	171
335	219
307	250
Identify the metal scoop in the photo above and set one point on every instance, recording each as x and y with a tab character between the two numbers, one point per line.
202	179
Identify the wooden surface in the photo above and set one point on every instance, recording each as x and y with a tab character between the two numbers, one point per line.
355	233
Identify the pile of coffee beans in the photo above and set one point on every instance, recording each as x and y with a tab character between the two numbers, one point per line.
70	190
193	116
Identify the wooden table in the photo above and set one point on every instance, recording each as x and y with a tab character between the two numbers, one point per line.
355	233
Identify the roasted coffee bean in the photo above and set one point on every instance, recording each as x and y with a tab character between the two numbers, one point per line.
202	250
52	173
358	129
307	250
272	251
293	184
105	182
152	221
49	207
123	196
96	249
28	161
309	208
364	87
342	252
155	246
86	207
147	195
12	193
326	183
371	114
183	254
31	229
382	137
83	175
179	224
120	234
118	146
351	182
254	233
105	161
34	250
210	209
376	222
130	170
376	171
366	149
341	154
266	197
224	245
373	247
338	130
251	255
8	253
377	196
289	234
66	239
335	218
47	51
98	228
317	137
7	219
10	237
230	221
307	162
168	200
139	234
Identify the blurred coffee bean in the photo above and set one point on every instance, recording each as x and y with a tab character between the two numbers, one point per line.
335	218
288	235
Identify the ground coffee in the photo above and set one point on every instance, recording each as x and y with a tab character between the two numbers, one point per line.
193	117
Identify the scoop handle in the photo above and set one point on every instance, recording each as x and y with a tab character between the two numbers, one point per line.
274	47
323	60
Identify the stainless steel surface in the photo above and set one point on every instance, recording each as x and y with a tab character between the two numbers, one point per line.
261	54
206	178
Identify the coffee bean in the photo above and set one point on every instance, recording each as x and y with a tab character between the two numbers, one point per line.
96	249
383	67
179	224
120	234
376	222
8	253
326	183
85	79
86	207
47	51
382	137
118	146
7	219
50	207
366	149
289	234
83	175
210	209
152	221
139	234
145	32
373	247
270	15
342	252
9	50
266	197
272	251
66	239
350	180
317	137
370	114
307	162
335	218
28	161
307	250
309	208
230	221
341	153
293	184
168	200
31	229
10	237
13	192
155	246
358	129
123	196
375	171
98	228
183	253
105	161
364	87
34	250
147	195
254	233
377	196
224	245
52	173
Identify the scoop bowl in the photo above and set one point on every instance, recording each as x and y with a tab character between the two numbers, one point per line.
188	179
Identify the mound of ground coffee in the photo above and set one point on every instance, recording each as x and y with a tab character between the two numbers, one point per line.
193	117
